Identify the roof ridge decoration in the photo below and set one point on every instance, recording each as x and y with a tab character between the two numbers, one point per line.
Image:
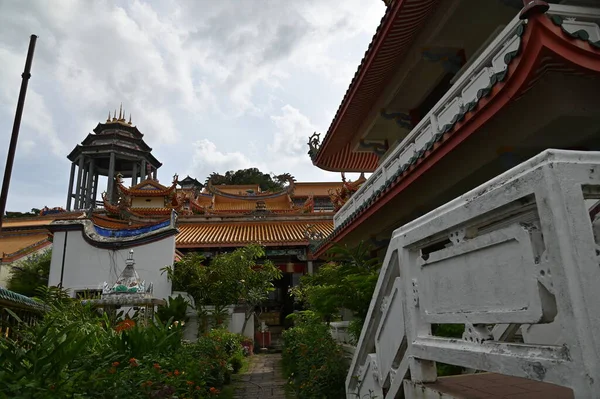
156	190
102	237
341	195
121	119
285	177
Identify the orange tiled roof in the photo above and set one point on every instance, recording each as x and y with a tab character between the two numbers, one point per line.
317	189
9	244
39	220
249	204
195	235
238	189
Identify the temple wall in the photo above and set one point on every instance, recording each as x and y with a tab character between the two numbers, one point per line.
87	267
148	202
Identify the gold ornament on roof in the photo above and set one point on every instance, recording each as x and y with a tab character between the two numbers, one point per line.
119	119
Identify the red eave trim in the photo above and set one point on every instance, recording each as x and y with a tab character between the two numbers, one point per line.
541	37
380	35
395	34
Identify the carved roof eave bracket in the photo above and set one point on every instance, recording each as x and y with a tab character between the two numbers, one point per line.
379	147
402	119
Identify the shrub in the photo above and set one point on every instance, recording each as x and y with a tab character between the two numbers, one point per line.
75	352
312	361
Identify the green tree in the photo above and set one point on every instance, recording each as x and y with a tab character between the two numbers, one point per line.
247	176
346	282
33	212
242	277
30	274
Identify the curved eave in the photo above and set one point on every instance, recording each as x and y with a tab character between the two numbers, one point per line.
147	193
89	140
118	224
90	234
79	149
258	197
346	160
394	36
115	125
11	257
545	47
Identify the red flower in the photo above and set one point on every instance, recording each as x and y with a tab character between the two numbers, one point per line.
156	366
190	383
133	362
126	324
116	364
176	372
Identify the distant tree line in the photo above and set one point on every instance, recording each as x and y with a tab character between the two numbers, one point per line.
266	181
33	212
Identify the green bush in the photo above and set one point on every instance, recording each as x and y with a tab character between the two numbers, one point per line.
74	352
312	361
175	309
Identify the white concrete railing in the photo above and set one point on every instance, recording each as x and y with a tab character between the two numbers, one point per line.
475	78
518	250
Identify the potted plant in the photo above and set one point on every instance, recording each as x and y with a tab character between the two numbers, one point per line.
248	345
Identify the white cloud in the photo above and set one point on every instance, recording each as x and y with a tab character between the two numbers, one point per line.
287	152
187	70
208	159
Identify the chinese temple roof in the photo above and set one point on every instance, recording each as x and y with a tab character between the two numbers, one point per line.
14	246
396	32
268	233
148	188
37	221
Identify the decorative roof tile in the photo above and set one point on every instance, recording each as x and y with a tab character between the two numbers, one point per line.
265	233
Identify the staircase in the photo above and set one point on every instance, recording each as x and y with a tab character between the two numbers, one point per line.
517	255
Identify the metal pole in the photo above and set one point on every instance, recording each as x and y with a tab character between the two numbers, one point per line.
10	158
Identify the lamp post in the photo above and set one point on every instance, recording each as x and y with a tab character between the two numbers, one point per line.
10	158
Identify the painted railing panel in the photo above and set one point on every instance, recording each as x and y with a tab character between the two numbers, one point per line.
519	250
464	94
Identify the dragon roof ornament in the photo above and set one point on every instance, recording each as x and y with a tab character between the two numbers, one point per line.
314	143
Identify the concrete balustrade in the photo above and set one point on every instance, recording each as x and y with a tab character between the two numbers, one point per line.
520	251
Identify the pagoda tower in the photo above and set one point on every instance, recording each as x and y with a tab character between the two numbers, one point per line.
115	147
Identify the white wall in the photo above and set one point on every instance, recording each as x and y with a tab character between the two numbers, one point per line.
87	267
148	202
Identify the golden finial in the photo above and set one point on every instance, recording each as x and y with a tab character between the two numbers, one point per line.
115	116
120	111
130	118
108	119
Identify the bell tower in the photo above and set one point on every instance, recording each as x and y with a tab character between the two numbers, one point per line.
115	147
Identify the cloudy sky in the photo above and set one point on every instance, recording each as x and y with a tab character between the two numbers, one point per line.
214	85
